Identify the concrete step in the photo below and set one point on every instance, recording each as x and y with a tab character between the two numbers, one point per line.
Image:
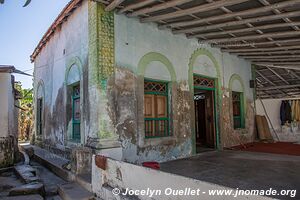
51	161
31	188
73	191
55	164
27	173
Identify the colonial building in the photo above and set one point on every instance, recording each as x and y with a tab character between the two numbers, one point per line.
105	83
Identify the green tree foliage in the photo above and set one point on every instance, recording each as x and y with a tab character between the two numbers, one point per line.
25	112
26	3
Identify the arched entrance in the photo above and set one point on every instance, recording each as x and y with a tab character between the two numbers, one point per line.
204	83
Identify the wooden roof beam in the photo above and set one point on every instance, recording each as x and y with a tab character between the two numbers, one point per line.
113	5
269	53
295	67
193	10
278	63
231	15
255	37
265	78
136	5
293	73
279	87
269	81
158	7
236	23
244	30
276	11
271	57
257	43
274	72
274	59
237	50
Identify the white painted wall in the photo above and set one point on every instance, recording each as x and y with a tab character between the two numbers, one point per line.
285	133
119	175
134	39
8	114
5	92
51	63
273	110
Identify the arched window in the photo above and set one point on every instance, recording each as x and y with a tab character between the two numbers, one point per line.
73	80
158	74
238	102
40	95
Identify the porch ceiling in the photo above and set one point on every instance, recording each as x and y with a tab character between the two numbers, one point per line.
265	32
277	82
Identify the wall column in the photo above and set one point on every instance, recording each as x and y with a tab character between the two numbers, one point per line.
101	132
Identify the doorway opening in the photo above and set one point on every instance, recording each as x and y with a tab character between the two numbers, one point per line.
39	116
204	101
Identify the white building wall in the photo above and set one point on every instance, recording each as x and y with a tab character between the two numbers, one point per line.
5	95
273	110
134	39
70	42
284	133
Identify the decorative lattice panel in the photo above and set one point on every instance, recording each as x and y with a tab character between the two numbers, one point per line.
155	87
204	82
199	96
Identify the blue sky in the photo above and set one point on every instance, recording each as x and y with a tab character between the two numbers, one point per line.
21	29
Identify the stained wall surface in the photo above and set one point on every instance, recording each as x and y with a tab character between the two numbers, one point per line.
111	55
61	63
8	120
144	51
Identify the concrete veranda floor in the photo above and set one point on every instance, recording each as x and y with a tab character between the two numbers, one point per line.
243	170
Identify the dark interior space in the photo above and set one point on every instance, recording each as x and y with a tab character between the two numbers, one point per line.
204	119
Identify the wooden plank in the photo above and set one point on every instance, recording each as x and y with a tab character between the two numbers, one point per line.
255	37
231	15
237	50
265	78
158	7
274	72
271	57
269	53
193	10
279	87
258	43
278	63
113	5
295	67
136	5
236	23
244	30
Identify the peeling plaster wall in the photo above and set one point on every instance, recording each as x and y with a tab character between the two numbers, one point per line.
8	121
5	92
69	43
9	113
133	40
118	174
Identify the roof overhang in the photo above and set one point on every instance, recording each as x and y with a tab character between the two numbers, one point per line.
11	69
61	18
265	32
